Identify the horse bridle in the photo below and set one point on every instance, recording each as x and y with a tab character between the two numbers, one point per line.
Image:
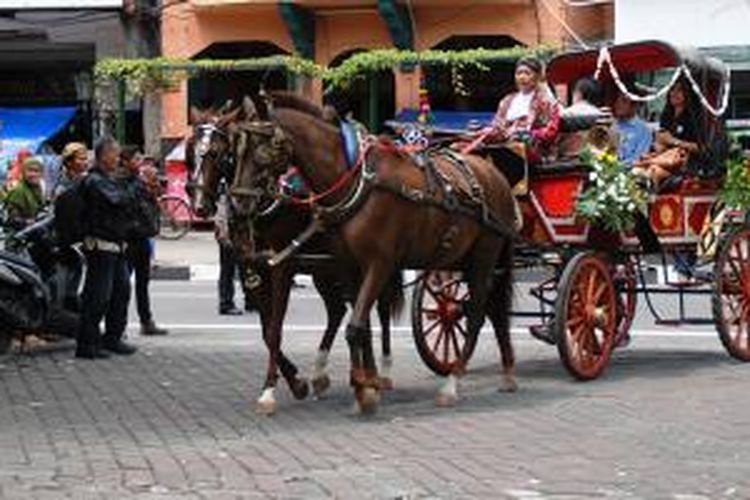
264	185
228	166
202	146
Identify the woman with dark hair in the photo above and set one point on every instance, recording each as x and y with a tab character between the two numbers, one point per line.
679	125
679	137
531	114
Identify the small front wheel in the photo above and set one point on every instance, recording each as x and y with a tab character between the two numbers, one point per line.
175	217
586	316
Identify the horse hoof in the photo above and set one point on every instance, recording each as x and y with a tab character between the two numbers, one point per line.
300	389
445	400
386	384
508	384
267	408
368	399
320	385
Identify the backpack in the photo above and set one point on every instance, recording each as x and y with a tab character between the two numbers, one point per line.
70	213
143	213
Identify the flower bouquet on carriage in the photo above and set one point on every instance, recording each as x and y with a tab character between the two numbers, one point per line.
612	200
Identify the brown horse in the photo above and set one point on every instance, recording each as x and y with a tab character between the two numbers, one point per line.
208	153
387	217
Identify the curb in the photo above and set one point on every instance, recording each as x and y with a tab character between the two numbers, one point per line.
162	272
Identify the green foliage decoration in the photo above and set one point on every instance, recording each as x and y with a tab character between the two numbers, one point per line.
612	196
142	75
735	190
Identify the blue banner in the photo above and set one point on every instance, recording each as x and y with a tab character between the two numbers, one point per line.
28	128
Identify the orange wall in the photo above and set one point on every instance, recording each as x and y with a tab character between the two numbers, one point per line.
187	30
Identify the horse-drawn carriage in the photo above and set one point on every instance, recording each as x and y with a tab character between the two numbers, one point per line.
387	207
588	304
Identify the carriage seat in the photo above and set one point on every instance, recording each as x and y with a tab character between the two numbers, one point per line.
557	166
574	131
574	122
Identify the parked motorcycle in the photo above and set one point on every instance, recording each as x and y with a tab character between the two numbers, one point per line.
40	285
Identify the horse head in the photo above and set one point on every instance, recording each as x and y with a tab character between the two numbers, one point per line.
207	153
262	153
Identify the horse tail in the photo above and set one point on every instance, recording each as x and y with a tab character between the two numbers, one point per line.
395	294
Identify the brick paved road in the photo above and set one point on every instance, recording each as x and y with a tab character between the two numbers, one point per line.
669	420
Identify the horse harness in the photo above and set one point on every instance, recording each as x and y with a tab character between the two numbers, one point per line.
455	191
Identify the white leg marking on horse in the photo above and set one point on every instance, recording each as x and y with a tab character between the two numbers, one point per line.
508	382
267	401
448	393
386	383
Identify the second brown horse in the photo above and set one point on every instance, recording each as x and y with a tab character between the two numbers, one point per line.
385	219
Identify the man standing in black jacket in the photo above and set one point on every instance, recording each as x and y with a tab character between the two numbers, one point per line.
107	289
139	245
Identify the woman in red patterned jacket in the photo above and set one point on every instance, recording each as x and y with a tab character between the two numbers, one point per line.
531	114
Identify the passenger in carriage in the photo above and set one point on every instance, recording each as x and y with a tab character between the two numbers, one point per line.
678	140
634	138
531	114
586	99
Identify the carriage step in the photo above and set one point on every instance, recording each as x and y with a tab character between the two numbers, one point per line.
684	321
543	333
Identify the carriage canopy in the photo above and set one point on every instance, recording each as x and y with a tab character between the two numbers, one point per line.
709	75
639	57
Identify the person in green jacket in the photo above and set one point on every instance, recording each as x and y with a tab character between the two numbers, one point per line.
24	202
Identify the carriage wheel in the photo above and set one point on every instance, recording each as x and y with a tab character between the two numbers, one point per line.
731	298
625	282
586	316
439	323
175	217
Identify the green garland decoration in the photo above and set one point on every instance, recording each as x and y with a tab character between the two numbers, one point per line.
142	75
359	65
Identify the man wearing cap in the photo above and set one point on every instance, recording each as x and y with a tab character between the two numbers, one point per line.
75	161
26	200
106	291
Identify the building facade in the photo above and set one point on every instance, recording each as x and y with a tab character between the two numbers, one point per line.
49	51
329	31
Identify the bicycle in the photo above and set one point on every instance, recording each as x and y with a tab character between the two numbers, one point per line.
176	213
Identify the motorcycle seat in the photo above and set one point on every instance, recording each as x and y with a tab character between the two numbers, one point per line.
16	259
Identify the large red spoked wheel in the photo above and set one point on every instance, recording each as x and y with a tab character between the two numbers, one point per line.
731	298
439	322
586	316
